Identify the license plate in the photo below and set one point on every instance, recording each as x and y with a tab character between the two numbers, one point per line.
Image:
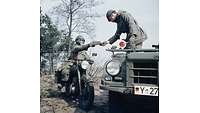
146	90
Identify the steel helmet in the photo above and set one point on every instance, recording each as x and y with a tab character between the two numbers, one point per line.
109	13
79	38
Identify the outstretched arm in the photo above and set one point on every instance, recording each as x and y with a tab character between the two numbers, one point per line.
81	48
115	37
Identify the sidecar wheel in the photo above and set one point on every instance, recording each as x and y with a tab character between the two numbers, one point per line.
87	97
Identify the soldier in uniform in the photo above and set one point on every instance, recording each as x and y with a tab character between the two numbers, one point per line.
126	24
79	52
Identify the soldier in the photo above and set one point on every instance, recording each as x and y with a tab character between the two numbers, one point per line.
126	24
79	52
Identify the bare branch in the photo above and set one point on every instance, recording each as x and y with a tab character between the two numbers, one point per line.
75	26
76	16
77	7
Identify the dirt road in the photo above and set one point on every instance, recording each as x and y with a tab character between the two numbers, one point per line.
54	101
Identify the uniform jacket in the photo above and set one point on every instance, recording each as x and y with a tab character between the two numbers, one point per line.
79	52
127	24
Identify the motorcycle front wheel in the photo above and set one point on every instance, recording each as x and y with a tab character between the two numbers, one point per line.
87	97
68	91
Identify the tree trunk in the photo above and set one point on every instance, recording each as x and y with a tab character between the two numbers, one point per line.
70	27
52	54
50	62
40	61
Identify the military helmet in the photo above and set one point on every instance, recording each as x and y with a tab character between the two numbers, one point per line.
109	13
79	38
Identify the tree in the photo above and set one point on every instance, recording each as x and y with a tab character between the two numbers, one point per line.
76	17
49	36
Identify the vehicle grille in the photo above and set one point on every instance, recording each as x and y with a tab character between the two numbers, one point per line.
146	73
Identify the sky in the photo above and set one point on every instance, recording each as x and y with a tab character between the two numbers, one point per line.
146	13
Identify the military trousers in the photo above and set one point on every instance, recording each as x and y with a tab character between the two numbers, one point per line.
134	44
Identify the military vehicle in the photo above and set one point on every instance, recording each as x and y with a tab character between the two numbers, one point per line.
132	79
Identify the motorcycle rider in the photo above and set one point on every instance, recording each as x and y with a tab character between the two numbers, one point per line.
69	68
78	52
78	86
79	49
126	24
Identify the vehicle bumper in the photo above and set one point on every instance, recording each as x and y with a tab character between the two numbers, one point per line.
121	88
117	89
115	86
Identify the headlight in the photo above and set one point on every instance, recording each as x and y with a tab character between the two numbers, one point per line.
113	67
85	64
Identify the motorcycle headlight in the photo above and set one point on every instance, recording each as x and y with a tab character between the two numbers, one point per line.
113	67
85	64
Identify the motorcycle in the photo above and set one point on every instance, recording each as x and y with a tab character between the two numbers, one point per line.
80	83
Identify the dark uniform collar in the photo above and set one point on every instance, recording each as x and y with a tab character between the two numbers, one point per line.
118	18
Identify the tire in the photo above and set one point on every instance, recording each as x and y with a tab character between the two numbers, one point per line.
87	98
68	90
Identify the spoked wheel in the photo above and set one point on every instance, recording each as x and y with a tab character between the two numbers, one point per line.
87	97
